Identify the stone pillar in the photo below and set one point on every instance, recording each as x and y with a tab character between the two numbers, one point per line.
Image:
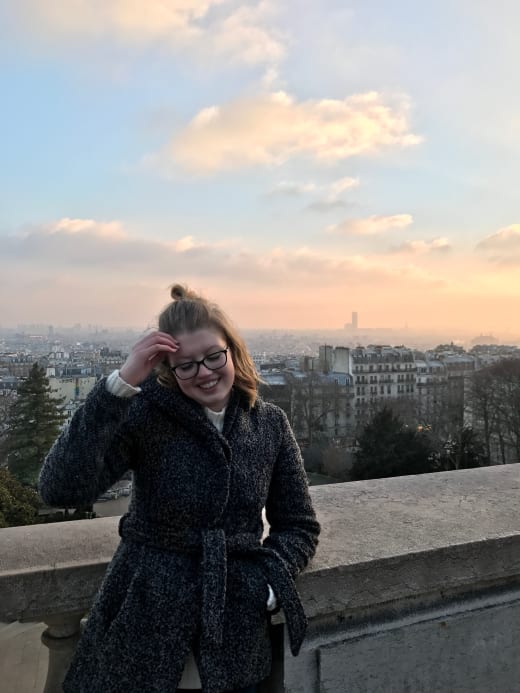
61	637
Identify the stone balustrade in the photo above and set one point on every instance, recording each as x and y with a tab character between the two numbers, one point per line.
415	586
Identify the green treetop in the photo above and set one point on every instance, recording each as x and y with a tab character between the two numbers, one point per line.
387	447
18	504
34	423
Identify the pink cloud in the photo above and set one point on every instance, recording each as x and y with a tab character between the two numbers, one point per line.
371	226
269	129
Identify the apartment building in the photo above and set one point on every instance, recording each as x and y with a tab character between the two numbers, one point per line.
72	387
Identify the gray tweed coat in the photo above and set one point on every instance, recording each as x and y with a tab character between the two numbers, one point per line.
191	570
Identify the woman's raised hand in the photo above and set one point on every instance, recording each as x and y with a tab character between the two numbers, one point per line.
145	355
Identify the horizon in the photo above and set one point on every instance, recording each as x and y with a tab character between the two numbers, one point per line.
362	334
283	159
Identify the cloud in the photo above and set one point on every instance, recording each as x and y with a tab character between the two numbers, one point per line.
182	245
271	79
86	248
113	229
293	189
326	205
371	226
328	197
420	247
331	191
125	19
333	195
82	270
227	29
503	246
304	266
89	245
269	129
243	35
341	185
504	239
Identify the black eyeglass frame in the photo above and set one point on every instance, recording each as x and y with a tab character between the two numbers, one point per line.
173	369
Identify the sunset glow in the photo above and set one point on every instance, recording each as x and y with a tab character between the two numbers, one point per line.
294	161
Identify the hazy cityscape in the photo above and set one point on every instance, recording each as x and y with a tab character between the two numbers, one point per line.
40	338
329	382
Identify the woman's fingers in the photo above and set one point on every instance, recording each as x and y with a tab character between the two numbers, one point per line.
156	349
157	338
145	355
155	343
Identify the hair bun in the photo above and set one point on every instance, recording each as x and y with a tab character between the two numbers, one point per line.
180	292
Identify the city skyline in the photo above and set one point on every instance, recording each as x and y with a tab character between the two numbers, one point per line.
294	161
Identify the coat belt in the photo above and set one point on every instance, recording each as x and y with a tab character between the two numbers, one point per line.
215	545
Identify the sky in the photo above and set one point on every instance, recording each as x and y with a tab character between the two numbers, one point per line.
293	160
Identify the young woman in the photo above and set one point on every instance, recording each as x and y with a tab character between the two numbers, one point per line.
186	599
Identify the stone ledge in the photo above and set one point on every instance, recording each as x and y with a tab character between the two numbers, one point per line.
54	568
382	540
406	537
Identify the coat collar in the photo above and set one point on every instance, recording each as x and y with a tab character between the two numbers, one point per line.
188	412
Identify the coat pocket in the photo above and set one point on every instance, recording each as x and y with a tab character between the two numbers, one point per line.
246	619
246	586
130	609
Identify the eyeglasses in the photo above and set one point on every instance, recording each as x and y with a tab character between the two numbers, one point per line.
212	362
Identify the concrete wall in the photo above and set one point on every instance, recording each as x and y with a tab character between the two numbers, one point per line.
415	587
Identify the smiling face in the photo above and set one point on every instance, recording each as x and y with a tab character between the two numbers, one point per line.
210	388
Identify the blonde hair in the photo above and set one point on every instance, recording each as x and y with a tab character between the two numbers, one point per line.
189	311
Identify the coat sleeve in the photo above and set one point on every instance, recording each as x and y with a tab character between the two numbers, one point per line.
92	453
294	530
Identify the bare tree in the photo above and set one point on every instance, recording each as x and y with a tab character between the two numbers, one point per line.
494	409
321	409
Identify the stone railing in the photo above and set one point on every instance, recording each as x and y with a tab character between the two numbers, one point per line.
415	587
